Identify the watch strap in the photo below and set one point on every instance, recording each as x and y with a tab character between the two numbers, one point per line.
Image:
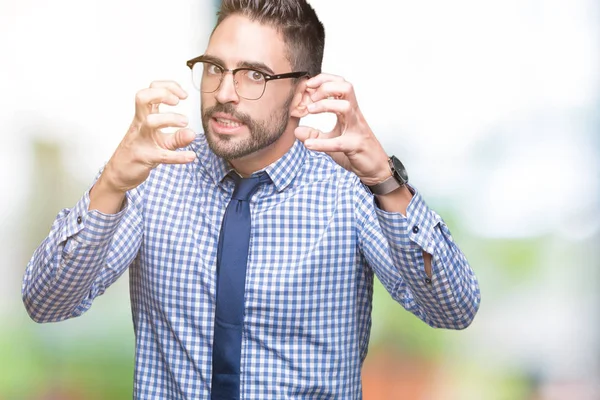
385	187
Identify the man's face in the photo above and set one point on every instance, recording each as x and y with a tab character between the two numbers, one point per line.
236	127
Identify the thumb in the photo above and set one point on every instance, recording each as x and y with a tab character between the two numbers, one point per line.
304	133
179	139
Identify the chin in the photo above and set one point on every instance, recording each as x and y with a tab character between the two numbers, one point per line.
226	147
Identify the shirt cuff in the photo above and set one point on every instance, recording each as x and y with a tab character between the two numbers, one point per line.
415	230
91	227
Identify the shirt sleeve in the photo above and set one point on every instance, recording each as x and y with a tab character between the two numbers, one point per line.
393	246
84	253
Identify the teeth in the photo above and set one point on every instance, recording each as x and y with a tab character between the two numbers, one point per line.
228	122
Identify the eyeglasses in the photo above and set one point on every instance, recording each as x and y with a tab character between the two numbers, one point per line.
249	83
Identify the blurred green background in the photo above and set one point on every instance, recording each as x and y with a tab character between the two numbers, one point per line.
493	106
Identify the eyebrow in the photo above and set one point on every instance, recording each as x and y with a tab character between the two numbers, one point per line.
243	64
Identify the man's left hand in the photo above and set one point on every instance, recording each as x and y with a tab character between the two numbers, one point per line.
351	143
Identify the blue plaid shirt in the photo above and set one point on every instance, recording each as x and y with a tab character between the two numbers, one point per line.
317	240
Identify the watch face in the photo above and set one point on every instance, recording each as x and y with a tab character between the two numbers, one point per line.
399	170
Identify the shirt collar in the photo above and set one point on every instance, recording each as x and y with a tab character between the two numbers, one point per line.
282	172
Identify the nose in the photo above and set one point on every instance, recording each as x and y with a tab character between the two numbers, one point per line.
227	92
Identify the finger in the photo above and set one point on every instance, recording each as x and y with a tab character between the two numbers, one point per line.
156	96
320	79
335	90
329	145
306	132
165	156
179	139
339	107
145	99
166	120
172	86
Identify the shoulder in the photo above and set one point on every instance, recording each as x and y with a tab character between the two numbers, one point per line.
320	167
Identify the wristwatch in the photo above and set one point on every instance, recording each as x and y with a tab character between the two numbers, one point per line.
399	178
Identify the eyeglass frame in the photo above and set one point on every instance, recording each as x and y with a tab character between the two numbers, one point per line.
268	77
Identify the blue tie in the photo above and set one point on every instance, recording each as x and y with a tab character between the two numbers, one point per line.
232	257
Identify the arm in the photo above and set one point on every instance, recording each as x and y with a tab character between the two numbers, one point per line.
85	252
90	246
446	296
422	268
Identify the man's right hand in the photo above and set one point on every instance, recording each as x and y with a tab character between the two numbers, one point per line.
144	146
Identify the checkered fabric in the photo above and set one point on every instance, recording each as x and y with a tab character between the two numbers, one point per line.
317	240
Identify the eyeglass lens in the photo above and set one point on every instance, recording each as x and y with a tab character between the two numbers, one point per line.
249	83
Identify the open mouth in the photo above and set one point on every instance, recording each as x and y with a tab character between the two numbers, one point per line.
225	124
228	123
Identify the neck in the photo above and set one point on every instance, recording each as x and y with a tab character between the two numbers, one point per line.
246	166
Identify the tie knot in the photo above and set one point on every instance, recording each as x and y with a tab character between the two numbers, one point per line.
245	187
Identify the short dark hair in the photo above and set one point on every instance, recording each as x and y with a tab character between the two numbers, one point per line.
296	20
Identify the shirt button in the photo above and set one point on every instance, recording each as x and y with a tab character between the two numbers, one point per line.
428	281
415	229
79	219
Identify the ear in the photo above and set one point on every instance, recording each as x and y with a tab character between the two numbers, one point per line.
300	100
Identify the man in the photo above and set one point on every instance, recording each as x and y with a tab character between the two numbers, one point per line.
252	248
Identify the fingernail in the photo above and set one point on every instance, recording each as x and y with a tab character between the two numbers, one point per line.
308	143
311	107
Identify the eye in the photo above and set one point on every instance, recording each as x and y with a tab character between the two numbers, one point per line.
212	69
255	76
